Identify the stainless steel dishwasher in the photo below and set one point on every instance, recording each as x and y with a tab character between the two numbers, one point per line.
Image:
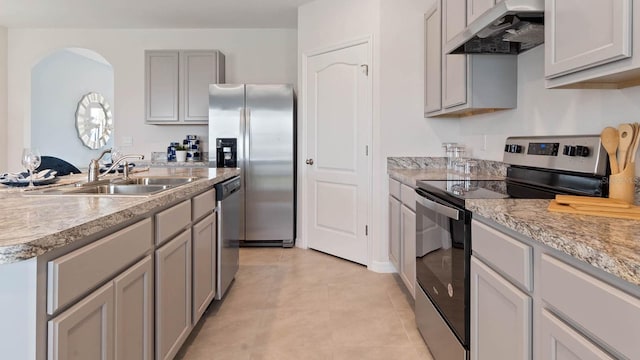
229	226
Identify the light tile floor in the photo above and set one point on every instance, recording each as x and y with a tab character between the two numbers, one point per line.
306	305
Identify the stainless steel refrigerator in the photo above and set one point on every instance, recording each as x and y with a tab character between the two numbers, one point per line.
253	127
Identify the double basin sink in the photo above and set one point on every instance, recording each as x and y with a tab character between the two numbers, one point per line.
136	186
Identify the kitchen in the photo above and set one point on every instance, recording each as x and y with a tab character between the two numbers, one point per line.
399	128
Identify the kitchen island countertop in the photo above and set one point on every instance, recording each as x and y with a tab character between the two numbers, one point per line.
33	225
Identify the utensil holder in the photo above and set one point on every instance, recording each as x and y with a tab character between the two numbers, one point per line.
622	185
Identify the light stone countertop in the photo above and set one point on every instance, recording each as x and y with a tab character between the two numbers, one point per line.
409	177
612	245
32	225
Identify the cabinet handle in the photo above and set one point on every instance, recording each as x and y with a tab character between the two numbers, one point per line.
309	161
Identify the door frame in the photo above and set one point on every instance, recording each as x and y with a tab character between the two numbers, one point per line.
303	240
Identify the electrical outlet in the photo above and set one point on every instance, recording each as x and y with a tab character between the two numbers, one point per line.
484	143
126	141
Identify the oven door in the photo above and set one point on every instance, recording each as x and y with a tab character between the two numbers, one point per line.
443	249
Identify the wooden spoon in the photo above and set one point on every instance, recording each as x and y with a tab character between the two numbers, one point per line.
609	138
625	139
634	146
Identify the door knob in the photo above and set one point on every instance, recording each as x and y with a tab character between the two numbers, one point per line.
309	161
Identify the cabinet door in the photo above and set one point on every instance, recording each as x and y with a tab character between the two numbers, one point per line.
173	295
433	60
394	232
408	263
560	342
475	8
204	265
454	67
134	312
568	45
200	68
85	331
500	316
161	79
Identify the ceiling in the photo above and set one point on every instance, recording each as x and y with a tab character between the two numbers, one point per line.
144	14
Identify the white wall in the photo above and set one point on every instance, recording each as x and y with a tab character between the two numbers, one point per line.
3	98
58	83
252	55
399	127
543	111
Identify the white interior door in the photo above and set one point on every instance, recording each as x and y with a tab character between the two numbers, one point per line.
338	113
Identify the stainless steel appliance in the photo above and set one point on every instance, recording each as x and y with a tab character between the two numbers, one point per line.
508	27
540	167
261	120
229	207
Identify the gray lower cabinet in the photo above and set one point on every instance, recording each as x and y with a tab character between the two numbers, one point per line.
500	316
204	265
394	231
527	298
408	264
134	312
561	342
84	331
173	295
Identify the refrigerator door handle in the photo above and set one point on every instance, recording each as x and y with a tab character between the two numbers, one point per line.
247	138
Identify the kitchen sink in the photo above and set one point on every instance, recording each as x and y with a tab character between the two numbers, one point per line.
158	180
118	189
135	186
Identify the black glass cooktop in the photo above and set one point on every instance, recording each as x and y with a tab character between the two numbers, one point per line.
457	191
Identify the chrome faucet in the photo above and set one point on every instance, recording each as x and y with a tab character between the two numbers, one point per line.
94	165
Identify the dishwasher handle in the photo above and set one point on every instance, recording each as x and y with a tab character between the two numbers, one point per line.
227	188
438	208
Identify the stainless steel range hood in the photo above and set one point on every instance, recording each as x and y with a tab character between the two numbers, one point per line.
510	27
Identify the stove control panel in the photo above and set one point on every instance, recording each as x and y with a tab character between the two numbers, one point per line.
577	150
581	153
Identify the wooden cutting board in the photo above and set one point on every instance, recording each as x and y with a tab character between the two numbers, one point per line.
630	210
591	201
557	207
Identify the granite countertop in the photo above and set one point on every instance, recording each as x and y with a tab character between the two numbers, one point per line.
32	225
409	177
612	245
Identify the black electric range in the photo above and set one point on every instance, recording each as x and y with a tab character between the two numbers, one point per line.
539	168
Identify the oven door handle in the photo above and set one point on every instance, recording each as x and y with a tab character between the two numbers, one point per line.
440	209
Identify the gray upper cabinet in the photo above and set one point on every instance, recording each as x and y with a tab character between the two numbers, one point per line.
588	44
433	61
475	8
177	84
454	67
161	85
463	85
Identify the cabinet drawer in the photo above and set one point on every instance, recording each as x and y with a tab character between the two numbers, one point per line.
171	221
203	204
394	188
603	311
71	275
408	196
509	256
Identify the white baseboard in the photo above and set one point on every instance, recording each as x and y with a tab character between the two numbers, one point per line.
382	267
